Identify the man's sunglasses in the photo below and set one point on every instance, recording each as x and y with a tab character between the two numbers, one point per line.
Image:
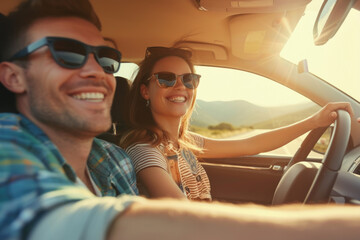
70	53
168	79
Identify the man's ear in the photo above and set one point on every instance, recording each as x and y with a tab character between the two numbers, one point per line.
12	77
144	91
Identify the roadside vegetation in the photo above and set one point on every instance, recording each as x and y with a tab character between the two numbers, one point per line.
221	130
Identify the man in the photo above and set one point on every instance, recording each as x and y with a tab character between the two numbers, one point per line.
51	169
64	90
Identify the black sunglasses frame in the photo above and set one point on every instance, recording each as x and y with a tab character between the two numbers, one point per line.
49	41
195	83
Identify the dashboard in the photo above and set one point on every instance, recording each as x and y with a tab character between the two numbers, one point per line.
347	186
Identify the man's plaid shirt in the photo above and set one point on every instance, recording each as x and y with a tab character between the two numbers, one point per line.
34	177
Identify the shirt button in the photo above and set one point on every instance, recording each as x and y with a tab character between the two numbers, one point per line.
198	178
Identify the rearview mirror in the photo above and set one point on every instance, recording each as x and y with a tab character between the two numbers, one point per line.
330	17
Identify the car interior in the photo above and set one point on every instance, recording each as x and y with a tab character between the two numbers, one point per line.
247	35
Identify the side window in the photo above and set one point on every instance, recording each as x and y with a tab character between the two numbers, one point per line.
237	104
127	70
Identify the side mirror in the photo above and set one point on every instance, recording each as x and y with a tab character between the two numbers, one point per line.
323	142
330	17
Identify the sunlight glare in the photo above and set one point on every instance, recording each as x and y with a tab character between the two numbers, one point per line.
337	61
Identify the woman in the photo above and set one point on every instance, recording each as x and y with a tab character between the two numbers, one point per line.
164	152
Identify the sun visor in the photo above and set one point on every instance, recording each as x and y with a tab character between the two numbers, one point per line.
208	51
261	35
249	6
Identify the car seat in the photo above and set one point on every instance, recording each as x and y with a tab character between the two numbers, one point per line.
118	109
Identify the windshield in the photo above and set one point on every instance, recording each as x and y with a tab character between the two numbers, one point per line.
337	61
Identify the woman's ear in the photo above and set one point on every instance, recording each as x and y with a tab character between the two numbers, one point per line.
144	91
12	77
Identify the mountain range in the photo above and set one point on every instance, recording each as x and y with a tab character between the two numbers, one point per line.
241	113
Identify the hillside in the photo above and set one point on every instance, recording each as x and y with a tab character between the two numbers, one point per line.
242	113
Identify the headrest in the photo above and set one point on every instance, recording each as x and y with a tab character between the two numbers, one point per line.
120	101
118	111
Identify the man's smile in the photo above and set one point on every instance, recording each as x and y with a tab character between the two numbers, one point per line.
90	96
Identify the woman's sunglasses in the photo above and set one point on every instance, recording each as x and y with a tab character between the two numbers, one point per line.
168	79
70	53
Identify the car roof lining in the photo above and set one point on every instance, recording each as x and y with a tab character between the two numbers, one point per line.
211	34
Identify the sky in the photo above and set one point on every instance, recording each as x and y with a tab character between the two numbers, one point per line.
228	85
333	61
338	60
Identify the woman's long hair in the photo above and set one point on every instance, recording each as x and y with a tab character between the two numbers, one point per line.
142	126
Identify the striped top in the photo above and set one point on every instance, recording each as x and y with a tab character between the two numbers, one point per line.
181	164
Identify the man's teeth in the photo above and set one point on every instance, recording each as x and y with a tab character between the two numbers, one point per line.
90	96
177	99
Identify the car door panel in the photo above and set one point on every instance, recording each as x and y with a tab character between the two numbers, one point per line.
245	179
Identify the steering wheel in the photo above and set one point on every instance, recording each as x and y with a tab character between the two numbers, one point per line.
310	182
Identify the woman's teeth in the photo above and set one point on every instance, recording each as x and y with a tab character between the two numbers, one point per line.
177	99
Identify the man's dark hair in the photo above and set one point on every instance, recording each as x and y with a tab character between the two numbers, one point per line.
14	28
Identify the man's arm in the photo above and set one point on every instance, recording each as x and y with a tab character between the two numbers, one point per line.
86	219
171	219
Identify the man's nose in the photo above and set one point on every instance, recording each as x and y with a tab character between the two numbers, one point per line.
92	68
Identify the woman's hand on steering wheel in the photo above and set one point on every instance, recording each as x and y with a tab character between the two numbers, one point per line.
327	115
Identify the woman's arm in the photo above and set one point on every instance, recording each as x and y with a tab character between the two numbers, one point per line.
273	139
159	184
151	171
